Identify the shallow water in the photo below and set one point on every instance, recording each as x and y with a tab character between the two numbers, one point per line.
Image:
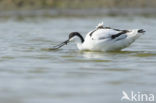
31	73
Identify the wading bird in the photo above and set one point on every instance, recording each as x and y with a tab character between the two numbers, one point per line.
103	39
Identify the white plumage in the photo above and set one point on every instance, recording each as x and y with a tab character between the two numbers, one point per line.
104	39
109	39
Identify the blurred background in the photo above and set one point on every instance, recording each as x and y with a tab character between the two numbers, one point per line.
32	73
76	7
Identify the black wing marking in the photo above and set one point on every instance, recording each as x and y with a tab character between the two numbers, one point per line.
117	35
92	33
112	28
99	27
113	36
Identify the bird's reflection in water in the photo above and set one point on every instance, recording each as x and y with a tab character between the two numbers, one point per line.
108	55
91	54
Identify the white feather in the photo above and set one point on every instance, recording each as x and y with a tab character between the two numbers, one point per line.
101	39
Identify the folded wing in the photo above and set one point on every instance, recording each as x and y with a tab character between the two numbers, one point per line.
101	34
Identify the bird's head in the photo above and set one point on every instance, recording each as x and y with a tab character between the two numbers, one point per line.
73	36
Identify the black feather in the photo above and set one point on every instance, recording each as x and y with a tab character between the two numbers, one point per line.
117	35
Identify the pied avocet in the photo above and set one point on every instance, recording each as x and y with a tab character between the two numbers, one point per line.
103	39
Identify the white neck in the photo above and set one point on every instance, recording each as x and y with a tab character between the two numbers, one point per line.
80	46
78	42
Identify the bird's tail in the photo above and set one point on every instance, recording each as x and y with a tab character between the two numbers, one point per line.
135	34
141	31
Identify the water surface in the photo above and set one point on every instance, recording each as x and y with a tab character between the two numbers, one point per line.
30	73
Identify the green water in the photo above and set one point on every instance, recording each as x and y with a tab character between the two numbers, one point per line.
31	73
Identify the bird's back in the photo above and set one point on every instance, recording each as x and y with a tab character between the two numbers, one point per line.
110	39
